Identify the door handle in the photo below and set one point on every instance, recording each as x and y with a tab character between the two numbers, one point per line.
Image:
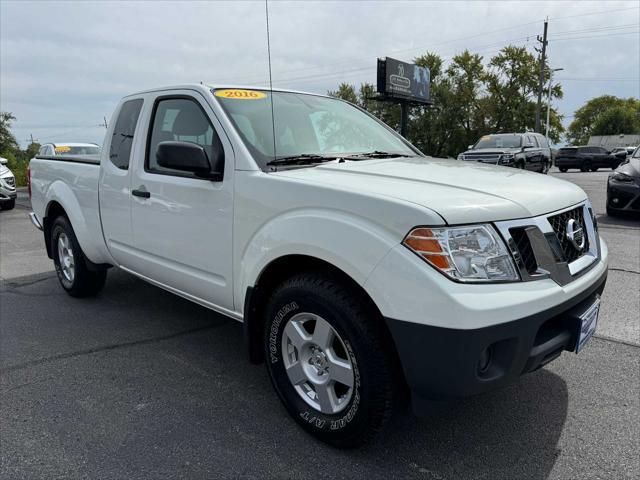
141	193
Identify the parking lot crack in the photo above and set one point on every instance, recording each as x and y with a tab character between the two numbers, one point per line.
624	270
104	348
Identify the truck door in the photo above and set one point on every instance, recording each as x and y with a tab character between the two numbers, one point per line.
182	224
114	185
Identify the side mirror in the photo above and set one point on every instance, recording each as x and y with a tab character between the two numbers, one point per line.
527	145
470	147
621	155
189	157
3	161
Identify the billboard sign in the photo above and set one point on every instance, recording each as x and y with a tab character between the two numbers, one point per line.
403	80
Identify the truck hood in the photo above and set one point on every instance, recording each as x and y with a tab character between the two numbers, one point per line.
460	192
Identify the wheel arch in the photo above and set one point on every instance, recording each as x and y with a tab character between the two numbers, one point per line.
275	273
52	211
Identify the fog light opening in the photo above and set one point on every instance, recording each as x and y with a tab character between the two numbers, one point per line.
485	360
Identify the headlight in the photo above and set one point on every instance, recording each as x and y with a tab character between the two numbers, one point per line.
475	253
461	157
621	177
506	157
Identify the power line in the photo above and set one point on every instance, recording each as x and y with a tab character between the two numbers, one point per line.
595	36
351	61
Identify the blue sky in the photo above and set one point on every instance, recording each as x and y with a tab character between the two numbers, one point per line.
64	65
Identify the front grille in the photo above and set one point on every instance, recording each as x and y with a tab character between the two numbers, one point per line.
559	225
482	157
10	181
523	245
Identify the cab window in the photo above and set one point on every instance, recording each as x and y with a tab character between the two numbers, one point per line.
122	138
181	120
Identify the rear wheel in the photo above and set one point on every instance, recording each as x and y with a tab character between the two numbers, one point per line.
328	360
563	169
594	169
585	167
70	262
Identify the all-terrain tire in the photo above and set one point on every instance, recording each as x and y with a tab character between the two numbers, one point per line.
365	342
70	262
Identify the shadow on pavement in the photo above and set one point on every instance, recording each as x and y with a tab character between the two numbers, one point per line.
139	383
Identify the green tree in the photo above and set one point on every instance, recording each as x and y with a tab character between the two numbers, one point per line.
596	113
8	142
617	120
470	98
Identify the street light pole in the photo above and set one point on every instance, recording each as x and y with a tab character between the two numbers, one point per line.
546	131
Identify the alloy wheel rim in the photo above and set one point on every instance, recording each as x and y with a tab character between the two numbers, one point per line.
65	257
317	363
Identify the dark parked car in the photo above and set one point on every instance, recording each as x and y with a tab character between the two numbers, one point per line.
588	158
623	187
628	151
529	151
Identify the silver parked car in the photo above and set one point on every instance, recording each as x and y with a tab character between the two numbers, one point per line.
7	186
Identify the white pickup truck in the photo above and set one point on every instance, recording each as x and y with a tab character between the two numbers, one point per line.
362	270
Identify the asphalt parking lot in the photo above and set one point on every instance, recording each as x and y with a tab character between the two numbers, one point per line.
139	383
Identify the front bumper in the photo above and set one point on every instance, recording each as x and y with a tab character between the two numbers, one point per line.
445	363
7	195
624	196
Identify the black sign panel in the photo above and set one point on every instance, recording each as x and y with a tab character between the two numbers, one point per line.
403	80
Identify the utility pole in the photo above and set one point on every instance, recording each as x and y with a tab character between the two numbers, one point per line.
543	53
105	124
31	139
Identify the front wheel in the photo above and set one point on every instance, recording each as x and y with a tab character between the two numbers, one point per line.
594	169
329	359
69	260
585	167
563	169
9	205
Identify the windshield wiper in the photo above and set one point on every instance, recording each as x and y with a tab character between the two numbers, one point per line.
374	154
302	159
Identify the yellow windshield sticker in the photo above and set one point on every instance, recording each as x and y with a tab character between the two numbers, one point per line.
62	149
240	94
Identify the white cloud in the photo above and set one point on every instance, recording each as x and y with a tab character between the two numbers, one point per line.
63	65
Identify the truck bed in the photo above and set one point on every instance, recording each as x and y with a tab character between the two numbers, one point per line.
90	159
71	181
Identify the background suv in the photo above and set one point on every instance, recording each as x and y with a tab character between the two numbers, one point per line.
527	151
588	158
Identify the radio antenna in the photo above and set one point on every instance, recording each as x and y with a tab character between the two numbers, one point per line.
273	122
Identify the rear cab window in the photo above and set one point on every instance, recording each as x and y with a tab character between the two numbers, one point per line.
123	132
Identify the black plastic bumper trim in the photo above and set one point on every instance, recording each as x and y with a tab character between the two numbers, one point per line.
443	363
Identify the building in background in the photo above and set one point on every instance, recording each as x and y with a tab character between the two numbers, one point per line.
611	141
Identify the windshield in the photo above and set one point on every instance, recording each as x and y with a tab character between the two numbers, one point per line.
636	154
499	141
83	150
305	125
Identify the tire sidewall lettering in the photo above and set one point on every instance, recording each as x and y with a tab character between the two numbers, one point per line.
275	328
310	416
